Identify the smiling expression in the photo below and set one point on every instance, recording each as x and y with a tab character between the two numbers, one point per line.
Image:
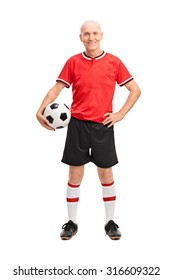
91	36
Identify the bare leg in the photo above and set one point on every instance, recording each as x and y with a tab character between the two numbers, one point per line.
76	174
105	175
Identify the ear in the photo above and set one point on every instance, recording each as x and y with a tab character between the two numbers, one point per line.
80	36
101	35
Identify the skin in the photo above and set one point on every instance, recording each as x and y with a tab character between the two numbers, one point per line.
91	36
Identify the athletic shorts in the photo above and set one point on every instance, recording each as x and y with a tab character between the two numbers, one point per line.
89	141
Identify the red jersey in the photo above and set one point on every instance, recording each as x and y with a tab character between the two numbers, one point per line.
93	83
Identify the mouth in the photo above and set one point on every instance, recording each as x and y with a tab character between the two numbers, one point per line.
91	43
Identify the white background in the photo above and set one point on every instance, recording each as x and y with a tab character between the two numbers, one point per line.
37	37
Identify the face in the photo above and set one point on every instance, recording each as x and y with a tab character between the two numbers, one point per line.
91	36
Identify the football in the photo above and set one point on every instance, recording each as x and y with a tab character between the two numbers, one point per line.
57	114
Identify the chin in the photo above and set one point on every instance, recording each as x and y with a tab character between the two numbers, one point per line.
92	49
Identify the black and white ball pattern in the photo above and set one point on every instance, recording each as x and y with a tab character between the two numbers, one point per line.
57	114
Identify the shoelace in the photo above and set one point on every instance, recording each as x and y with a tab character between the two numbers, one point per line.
112	225
67	226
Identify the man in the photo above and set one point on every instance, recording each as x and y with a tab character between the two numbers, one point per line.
93	75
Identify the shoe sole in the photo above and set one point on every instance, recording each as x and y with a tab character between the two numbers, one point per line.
68	238
115	238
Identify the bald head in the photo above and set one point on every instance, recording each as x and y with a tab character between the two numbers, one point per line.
91	36
88	23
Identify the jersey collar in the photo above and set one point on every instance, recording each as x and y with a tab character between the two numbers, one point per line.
96	57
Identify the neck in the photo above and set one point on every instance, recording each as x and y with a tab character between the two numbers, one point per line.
93	53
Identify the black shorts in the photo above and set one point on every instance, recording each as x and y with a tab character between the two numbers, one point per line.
89	141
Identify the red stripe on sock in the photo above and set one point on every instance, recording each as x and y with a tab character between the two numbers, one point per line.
111	198
73	186
75	199
107	185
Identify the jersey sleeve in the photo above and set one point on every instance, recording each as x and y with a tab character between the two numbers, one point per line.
123	75
65	75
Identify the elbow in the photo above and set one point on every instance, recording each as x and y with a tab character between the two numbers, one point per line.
138	92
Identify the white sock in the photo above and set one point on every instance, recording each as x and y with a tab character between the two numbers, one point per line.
72	201
109	197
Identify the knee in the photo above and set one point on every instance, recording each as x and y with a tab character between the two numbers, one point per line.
105	175
76	175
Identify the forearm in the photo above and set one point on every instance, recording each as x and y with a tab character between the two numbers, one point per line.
131	100
50	96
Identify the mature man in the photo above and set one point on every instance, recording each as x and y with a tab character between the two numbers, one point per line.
93	75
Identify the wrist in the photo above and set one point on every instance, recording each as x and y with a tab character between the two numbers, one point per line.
122	112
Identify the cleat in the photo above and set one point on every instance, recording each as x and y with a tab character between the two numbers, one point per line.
69	230
112	231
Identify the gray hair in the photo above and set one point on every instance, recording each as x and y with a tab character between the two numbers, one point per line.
89	22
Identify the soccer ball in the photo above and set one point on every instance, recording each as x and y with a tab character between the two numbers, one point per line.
57	114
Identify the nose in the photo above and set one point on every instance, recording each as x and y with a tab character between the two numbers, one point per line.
91	37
